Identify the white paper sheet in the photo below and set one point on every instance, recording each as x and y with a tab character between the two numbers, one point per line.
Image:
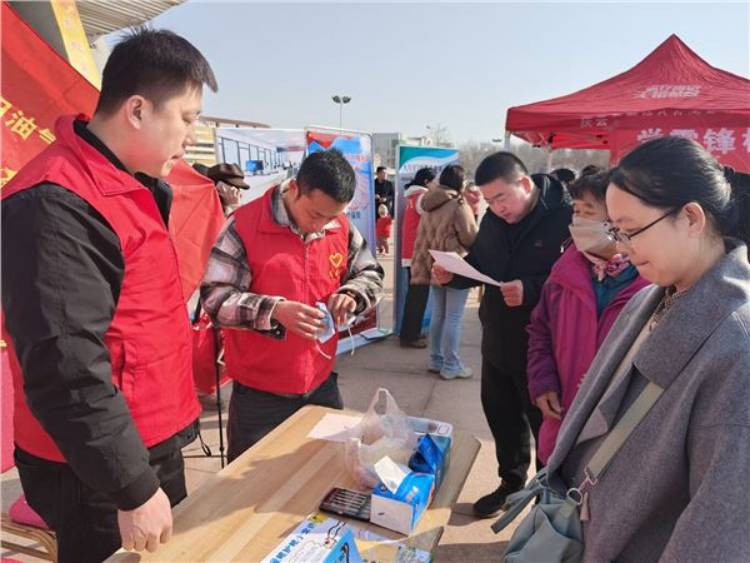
334	427
390	473
454	263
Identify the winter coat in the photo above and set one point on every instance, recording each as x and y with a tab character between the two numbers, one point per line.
523	251
412	214
677	489
447	224
565	334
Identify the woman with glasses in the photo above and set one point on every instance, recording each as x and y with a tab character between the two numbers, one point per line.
675	489
580	301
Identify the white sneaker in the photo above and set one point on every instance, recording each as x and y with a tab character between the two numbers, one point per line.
466	373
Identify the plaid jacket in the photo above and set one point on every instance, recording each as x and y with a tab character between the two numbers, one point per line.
225	290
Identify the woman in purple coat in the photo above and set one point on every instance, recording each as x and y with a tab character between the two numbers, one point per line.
586	290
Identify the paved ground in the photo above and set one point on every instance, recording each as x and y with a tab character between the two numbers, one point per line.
402	371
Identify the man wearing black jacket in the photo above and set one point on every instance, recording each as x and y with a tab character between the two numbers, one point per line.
94	312
384	191
518	242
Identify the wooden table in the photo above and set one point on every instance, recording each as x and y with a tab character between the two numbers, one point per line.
243	512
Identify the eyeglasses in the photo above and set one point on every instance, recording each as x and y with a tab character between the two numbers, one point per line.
628	239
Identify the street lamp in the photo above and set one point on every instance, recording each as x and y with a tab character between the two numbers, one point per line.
341	100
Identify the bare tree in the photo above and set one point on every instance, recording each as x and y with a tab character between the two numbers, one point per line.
472	153
439	135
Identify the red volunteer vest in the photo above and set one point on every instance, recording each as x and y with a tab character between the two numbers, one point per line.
149	340
282	264
411	226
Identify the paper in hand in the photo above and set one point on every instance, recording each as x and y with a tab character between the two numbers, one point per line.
455	264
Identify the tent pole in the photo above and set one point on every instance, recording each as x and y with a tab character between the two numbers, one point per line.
506	144
549	159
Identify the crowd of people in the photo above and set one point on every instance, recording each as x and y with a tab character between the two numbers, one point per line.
610	282
644	265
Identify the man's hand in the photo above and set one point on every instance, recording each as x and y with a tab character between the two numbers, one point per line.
148	525
513	293
549	404
301	319
342	307
441	275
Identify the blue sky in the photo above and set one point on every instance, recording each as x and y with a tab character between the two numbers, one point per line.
409	65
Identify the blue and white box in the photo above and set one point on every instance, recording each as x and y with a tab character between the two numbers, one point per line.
318	539
432	455
402	509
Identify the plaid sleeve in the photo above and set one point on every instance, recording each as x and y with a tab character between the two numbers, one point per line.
225	294
364	279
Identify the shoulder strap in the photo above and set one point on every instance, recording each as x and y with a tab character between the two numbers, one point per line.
632	417
622	430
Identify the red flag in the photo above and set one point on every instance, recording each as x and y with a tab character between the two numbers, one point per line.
195	222
37	86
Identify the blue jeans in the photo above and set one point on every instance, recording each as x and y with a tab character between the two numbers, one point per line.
445	329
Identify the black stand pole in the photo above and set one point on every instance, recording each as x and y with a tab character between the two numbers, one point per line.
217	367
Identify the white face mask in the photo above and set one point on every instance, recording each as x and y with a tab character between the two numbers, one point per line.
330	329
591	236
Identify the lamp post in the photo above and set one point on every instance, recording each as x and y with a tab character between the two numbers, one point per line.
341	100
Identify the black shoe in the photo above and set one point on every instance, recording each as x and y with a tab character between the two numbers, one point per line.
492	504
421	344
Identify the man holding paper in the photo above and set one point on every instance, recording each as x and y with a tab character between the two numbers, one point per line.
517	244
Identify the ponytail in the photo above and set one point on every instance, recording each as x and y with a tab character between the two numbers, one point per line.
740	186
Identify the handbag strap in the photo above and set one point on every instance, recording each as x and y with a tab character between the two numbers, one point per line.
622	430
637	411
515	503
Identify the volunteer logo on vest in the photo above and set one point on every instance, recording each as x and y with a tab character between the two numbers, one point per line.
337	265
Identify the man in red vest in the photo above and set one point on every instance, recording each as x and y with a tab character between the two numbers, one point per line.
277	259
94	312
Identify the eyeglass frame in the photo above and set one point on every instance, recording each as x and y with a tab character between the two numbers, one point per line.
623	238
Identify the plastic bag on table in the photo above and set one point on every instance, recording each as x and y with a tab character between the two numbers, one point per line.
377	436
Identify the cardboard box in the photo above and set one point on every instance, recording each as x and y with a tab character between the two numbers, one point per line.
401	511
432	455
319	539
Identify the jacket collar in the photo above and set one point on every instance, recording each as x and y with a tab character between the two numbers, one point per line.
277	219
105	174
573	272
414	190
695	316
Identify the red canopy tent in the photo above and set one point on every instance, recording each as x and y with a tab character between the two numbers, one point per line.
671	92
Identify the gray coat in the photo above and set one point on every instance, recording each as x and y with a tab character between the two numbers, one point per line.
678	490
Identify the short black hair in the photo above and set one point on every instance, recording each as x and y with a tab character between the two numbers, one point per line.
501	164
423	177
452	177
329	172
593	184
380	169
155	63
590	169
565	175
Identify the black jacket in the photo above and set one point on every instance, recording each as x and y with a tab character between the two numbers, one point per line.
384	193
523	251
63	270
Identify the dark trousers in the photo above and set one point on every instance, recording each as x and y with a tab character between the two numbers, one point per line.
85	520
414	307
512	419
253	413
